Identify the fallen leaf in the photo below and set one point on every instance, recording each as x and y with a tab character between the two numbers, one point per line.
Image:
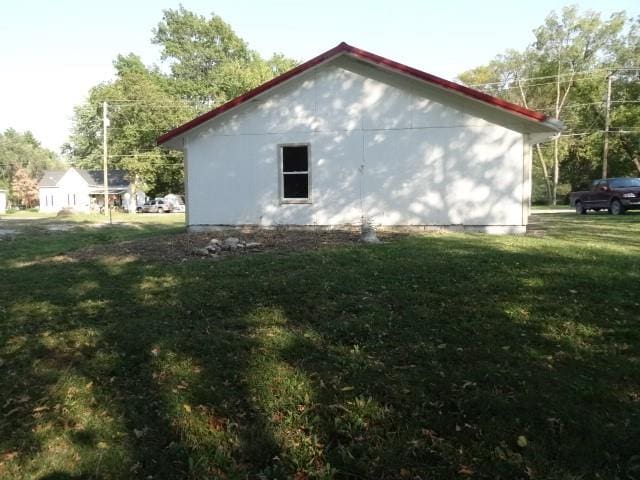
466	470
522	441
217	423
102	445
187	408
8	456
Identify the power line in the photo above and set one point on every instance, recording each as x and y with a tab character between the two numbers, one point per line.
622	132
540	84
592	72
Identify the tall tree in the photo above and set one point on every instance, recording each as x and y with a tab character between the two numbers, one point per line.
208	65
570	43
549	76
22	150
626	111
209	62
140	108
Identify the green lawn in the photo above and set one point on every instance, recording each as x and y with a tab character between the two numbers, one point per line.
554	207
432	357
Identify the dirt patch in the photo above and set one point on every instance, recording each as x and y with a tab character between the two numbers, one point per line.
180	247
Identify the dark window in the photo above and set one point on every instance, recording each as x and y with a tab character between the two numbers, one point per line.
624	182
295	159
295	172
598	184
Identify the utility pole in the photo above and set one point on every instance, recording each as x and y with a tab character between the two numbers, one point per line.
105	124
605	148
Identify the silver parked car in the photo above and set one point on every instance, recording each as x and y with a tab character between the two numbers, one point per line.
157	205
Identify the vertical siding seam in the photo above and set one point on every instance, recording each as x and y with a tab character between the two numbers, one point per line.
315	100
525	143
187	201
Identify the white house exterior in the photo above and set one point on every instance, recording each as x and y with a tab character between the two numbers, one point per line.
83	190
349	135
3	202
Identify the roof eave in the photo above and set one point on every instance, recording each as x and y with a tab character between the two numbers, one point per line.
377	60
251	94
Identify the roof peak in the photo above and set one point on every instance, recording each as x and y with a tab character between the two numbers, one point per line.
372	58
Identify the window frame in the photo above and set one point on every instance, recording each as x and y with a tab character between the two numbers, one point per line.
282	173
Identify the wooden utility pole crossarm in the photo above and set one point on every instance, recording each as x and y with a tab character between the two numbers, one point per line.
105	124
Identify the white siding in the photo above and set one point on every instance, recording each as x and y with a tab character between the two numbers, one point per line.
72	192
3	201
377	140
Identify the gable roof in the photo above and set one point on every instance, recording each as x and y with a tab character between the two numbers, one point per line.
94	178
344	48
50	178
116	178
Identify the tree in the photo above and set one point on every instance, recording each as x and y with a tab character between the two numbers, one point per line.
141	108
22	150
549	76
625	147
209	64
569	44
24	189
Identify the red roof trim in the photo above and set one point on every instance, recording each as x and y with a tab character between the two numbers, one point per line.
364	55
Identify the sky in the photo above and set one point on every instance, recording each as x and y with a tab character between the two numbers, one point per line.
53	52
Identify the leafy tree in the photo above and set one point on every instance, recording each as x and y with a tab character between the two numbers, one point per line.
625	147
24	188
141	108
565	46
568	44
22	150
209	64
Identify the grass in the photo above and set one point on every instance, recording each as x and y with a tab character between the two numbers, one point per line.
552	207
29	216
40	236
443	356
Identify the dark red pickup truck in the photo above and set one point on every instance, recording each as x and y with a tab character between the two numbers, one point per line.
614	194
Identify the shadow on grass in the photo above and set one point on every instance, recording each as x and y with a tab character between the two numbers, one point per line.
424	358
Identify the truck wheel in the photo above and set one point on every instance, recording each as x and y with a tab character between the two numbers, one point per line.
580	210
616	207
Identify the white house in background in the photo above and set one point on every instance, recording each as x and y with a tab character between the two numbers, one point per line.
350	134
3	202
83	190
